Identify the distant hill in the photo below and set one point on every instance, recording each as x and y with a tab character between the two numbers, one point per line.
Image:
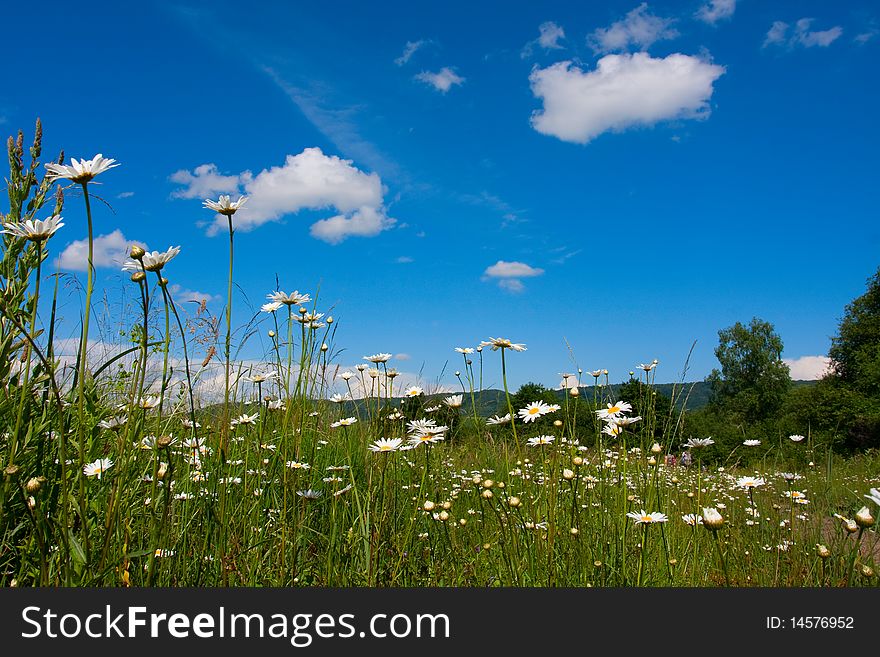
693	395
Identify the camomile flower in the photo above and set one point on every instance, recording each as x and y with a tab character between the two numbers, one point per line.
378	358
114	422
750	482
337	398
495	419
360	367
424	438
37	230
596	374
156	260
692	519
271	307
698	443
647	366
414	426
413	391
533	411
613	410
292	299
751	443
309	494
344	422
796	438
80	171
540	440
345	376
623	421
386	445
246	419
261	377
464	350
712	520
297	465
502	343
275	405
97	468
224	205
146	403
612	429
453	401
644	518
874	496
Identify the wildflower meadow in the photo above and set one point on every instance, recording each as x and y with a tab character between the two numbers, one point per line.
172	462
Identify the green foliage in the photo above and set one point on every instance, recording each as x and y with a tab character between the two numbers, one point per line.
753	380
855	350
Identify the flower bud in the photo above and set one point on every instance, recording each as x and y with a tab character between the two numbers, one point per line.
34	485
162	471
656	449
712	519
514	502
164	441
864	519
867	571
462	522
163	282
271	334
444	516
330	319
488	483
138	277
476	480
822	551
487	494
574	392
31	503
652	461
447	505
11	470
428	505
574	531
851	526
324	347
557	423
577	461
567	474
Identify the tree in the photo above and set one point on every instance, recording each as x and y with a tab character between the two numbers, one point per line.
855	350
753	380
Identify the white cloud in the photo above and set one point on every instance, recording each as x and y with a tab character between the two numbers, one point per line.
801	35
402	357
125	195
364	222
409	50
549	34
309	180
183	295
864	37
716	10
807	368
404	260
623	91
206	181
508	274
442	80
107	251
638	28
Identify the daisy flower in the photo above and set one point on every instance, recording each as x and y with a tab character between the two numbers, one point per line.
156	260
80	171
344	422
245	419
495	419
271	307
502	343
386	445
614	410
698	443
454	401
309	494
751	443
413	391
750	482
292	299
540	440
97	468
225	205
533	411
874	496
644	518
378	358
692	519
426	437
796	438
297	465
34	230
464	350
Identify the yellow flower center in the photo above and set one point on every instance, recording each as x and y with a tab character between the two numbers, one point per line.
385	448
534	411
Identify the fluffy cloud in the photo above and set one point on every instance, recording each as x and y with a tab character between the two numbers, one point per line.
309	180
623	91
508	274
364	222
639	28
549	34
778	35
716	10
183	295
442	80
807	368
206	181
108	251
409	50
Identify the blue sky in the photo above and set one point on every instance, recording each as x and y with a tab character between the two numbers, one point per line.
627	178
